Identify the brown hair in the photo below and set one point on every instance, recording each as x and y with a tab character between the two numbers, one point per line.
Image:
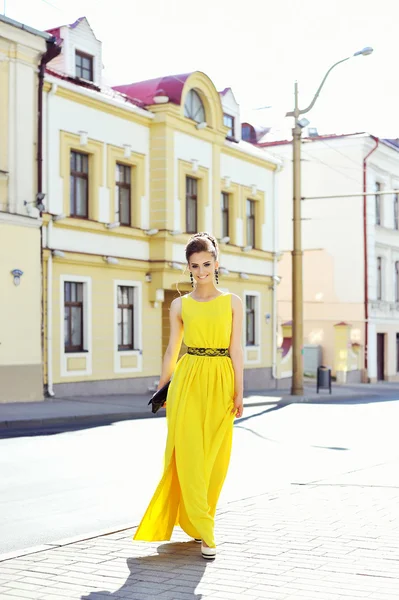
202	242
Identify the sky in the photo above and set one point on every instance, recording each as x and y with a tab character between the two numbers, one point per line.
256	47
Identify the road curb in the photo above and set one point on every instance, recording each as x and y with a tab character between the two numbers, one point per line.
63	542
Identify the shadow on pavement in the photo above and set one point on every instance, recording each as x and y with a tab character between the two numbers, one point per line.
152	575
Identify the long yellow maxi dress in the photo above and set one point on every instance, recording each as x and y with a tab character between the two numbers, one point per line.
200	426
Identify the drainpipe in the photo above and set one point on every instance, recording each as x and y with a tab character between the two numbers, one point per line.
275	277
50	390
366	275
52	51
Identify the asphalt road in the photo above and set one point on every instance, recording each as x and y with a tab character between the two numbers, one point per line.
76	483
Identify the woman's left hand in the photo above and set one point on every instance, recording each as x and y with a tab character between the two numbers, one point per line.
238	406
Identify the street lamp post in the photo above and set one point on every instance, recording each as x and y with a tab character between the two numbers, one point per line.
297	253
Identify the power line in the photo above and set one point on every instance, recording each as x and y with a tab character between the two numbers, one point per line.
330	167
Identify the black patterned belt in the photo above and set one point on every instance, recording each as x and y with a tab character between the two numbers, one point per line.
208	351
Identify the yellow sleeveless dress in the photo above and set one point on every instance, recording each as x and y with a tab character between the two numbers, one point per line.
200	426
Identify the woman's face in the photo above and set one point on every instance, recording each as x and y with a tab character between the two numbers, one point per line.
202	265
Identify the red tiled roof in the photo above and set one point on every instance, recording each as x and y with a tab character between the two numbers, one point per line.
145	91
88	84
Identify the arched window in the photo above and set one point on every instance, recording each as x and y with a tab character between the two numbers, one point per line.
193	107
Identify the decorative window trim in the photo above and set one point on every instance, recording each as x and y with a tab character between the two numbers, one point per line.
137	328
71	142
87	327
136	161
234	210
202	176
260	213
258	334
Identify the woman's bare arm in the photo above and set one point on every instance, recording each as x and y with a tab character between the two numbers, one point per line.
174	345
237	355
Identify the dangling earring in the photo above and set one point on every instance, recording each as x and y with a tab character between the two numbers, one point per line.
192	279
217	276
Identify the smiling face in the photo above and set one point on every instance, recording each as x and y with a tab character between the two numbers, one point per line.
202	265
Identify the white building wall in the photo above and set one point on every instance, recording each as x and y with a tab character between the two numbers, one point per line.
72	117
247	174
189	148
336	225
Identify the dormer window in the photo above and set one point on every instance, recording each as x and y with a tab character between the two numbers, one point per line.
228	121
193	107
84	66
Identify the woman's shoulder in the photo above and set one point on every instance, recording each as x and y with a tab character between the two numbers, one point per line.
235	300
175	305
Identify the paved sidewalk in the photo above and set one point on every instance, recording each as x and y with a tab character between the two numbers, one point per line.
329	540
86	411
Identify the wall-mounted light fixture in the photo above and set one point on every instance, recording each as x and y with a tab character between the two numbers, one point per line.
151	231
223	271
268	317
112	225
201	125
38	202
58	253
17	274
148	277
111	260
244	276
246	248
175	232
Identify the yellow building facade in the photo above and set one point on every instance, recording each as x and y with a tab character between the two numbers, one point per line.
130	173
21	50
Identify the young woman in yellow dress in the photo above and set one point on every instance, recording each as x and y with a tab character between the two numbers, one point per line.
204	397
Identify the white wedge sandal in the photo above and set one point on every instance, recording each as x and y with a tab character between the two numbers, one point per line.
208	553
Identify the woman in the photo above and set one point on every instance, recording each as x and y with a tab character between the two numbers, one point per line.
205	395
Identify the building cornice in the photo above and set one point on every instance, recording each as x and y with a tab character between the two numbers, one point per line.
7	218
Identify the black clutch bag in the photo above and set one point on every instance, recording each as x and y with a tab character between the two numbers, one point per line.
159	398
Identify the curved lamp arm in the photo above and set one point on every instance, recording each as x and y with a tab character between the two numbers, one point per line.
305	110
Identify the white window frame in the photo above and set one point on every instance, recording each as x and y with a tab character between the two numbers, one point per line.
258	334
137	327
87	327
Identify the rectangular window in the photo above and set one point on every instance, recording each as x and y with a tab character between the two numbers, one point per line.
228	121
251	205
84	65
250	333
125	317
123	194
396	210
191	205
73	317
225	214
397	281
379	278
377	203
79	182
